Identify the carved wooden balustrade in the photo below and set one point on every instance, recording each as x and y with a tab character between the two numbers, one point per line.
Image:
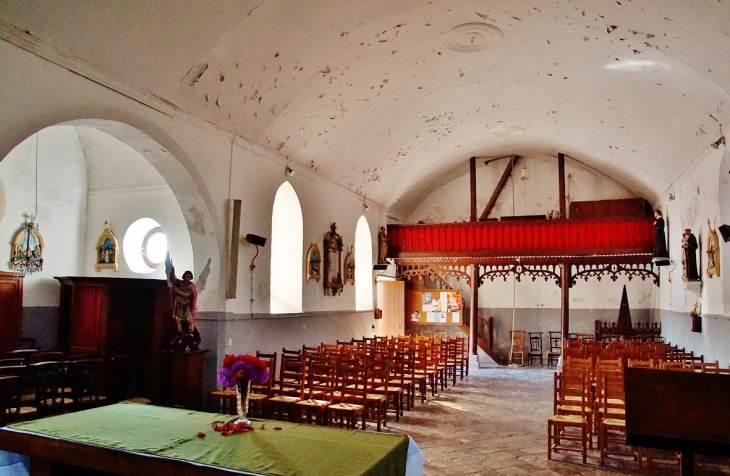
644	332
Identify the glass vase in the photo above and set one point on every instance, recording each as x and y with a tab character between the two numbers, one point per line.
243	387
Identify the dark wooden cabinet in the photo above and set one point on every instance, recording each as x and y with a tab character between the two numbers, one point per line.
11	310
185	379
119	316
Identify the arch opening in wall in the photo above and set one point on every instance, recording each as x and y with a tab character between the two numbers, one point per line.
363	266
90	172
287	234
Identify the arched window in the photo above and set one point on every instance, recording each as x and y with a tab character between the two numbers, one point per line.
363	266
287	236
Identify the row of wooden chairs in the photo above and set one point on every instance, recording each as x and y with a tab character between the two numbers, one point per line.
360	380
589	398
33	389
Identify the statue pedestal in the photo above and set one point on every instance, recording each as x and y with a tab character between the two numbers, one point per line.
186	379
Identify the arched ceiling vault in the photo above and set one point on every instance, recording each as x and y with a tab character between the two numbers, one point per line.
388	98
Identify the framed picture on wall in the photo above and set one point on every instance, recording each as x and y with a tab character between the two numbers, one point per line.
314	261
713	252
107	250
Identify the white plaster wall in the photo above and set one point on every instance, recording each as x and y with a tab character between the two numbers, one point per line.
701	193
62	210
537	195
122	208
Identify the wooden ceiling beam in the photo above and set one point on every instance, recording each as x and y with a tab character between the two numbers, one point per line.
500	186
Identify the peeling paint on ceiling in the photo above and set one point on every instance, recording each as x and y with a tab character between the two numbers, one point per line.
388	98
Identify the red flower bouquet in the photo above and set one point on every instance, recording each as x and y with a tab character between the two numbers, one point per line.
242	367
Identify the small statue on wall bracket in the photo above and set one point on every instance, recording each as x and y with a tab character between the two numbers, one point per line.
660	238
689	256
382	246
333	284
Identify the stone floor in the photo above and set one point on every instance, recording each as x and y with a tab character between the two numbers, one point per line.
494	422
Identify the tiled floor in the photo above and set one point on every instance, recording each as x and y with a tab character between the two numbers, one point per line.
495	423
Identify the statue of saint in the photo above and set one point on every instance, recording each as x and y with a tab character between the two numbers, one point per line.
660	239
185	296
689	256
382	246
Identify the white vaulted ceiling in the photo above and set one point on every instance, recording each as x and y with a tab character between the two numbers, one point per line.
389	97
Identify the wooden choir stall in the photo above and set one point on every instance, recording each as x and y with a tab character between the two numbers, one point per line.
124	316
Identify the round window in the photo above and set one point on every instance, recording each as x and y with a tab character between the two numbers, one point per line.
154	247
144	246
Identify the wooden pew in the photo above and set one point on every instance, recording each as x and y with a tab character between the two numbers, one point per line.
678	411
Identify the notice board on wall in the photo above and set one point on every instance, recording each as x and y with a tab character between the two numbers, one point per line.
433	307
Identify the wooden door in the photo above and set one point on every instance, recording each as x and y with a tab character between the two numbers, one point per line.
391	300
11	310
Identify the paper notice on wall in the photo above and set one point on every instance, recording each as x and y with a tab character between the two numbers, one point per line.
444	301
456	317
453	302
415	316
438	317
427	302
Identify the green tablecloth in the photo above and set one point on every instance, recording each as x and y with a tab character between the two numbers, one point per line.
173	433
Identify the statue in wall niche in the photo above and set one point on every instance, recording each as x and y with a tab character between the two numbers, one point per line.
660	239
689	256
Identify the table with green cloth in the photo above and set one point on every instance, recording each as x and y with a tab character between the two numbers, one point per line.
129	438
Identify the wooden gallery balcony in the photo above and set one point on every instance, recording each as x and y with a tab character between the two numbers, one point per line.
586	240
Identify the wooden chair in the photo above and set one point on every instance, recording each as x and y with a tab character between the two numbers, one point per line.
566	385
644	364
292	380
705	367
319	393
535	351
123	380
21	405
49	382
262	388
462	355
612	417
46	356
84	378
517	348
556	348
676	366
291	354
8	362
258	397
379	392
19	353
352	391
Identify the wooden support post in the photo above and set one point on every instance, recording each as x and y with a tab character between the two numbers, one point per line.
474	311
500	185
561	182
565	300
473	186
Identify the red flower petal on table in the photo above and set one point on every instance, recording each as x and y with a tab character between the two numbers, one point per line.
277	428
262	426
201	434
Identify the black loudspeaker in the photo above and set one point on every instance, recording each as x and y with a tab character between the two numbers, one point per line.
380	267
256	240
725	232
